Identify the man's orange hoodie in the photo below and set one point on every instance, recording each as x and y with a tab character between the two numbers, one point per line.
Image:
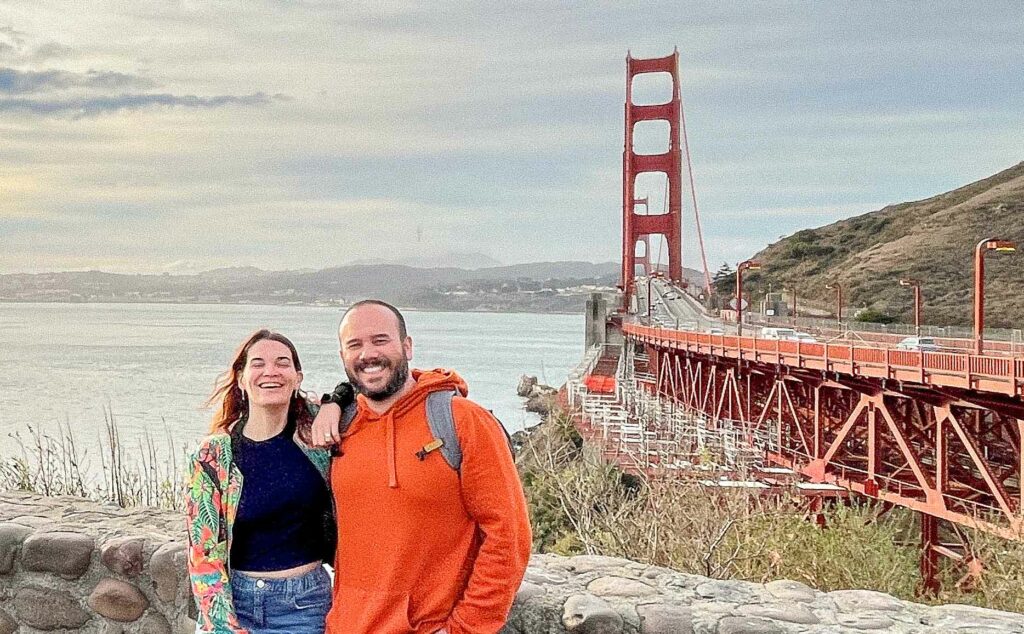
421	547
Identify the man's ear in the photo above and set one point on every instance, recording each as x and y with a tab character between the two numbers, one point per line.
407	347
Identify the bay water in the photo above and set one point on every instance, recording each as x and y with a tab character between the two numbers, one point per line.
151	366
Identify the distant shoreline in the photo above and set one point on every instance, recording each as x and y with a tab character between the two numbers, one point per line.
340	307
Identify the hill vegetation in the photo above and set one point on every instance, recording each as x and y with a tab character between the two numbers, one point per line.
581	505
930	240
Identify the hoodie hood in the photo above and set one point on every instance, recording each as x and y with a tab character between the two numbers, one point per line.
427	381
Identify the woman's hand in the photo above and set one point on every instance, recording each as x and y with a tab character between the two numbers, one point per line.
325	430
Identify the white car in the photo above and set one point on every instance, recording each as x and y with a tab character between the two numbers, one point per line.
778	333
803	337
923	344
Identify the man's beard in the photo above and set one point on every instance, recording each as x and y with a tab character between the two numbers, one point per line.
398	379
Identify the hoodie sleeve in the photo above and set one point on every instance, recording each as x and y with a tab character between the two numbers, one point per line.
494	498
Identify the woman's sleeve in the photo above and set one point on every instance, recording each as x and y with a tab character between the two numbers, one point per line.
208	554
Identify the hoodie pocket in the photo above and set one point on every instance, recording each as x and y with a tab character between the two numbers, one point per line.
362	610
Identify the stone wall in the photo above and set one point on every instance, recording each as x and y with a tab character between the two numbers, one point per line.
67	564
71	565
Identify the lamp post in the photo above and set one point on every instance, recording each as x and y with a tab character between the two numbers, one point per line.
839	300
792	290
743	266
916	285
988	244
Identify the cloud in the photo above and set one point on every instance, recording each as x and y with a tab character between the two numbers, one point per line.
14	46
485	122
95	106
19	82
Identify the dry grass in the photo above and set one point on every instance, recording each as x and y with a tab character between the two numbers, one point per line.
52	463
580	505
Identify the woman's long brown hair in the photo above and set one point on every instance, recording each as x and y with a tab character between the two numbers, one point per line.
227	396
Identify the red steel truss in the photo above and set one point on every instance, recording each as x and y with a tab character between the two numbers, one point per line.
939	433
636	227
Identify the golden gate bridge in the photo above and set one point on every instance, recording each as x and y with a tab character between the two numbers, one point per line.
668	389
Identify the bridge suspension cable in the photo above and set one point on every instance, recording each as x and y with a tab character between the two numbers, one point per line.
693	194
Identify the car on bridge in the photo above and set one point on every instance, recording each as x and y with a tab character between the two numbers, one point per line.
773	333
920	344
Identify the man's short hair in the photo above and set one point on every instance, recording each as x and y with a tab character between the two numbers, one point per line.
402	332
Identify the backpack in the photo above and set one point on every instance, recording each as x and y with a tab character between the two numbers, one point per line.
441	421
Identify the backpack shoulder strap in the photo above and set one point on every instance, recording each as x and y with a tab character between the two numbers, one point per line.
442	426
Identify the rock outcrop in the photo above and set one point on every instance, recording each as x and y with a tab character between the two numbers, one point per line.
540	398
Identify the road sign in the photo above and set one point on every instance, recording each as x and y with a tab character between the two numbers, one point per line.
732	304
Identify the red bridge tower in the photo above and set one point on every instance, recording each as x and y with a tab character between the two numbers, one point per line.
638	227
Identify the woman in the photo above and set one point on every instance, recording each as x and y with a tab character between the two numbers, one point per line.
256	551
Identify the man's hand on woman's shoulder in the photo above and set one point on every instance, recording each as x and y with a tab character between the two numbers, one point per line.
325	431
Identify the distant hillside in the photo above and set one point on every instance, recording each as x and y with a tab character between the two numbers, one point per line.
469	261
536	287
932	240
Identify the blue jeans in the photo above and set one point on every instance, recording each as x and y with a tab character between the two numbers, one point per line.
293	605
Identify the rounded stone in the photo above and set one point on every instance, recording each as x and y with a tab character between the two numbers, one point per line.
790	590
855	601
48	609
118	600
186	625
544	577
11	537
154	623
658	618
588	614
790	613
64	554
747	625
969	616
620	587
124	555
729	591
7	623
527	591
864	621
167	568
594	563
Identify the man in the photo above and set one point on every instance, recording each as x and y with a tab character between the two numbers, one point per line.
422	548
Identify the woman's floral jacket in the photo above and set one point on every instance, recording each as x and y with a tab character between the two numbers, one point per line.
211	502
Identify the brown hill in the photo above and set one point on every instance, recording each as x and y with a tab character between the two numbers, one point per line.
932	240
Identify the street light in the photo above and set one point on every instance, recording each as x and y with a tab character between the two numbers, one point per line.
743	266
916	285
792	289
839	300
988	244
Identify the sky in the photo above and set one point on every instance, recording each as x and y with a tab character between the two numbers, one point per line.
181	136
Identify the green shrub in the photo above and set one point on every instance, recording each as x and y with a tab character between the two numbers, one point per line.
874	316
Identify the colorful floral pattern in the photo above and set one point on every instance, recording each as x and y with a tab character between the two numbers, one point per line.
212	494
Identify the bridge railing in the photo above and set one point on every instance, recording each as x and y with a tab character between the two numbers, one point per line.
954	369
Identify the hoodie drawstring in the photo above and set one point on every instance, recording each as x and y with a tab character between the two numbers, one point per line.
389	432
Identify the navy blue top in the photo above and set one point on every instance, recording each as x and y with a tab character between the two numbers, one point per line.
278	525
